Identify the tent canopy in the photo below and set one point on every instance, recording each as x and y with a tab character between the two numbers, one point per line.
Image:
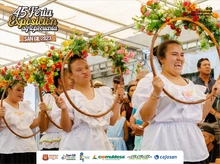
112	18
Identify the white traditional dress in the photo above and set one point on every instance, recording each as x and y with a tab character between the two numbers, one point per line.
88	133
52	137
13	148
174	126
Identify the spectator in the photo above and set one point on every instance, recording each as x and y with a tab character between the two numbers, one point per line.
204	68
212	146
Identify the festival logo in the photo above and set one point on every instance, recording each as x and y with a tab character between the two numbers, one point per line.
34	19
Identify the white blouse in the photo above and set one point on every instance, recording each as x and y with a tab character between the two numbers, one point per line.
19	120
87	133
174	127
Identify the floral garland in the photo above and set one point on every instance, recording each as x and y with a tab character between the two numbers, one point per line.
155	14
115	52
44	69
13	75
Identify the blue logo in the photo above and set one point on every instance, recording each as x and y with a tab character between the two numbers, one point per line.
156	157
81	156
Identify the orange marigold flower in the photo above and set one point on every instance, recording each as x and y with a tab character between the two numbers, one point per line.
215	15
193	7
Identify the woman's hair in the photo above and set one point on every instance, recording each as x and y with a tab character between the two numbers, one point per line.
72	59
129	87
1	92
161	50
155	51
10	86
56	78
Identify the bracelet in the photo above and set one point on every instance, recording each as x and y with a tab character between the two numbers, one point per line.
154	97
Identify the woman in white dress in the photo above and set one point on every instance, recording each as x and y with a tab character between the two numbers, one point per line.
52	135
20	118
83	132
173	125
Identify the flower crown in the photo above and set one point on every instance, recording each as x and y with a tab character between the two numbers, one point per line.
13	75
154	15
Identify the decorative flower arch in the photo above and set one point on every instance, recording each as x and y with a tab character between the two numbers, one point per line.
154	15
186	15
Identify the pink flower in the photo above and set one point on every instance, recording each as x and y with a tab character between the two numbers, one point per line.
120	52
147	13
139	64
218	25
131	54
142	28
126	59
52	47
188	94
185	3
156	1
3	72
121	45
127	72
106	49
19	63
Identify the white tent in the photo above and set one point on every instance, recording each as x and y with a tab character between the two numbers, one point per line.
112	18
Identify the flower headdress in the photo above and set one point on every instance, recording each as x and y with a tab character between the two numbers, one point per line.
44	69
13	75
76	45
154	15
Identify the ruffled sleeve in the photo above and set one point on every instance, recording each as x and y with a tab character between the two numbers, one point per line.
142	94
108	101
107	96
188	93
102	101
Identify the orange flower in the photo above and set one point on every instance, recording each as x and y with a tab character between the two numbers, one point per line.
193	7
215	15
149	2
149	33
13	73
16	73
